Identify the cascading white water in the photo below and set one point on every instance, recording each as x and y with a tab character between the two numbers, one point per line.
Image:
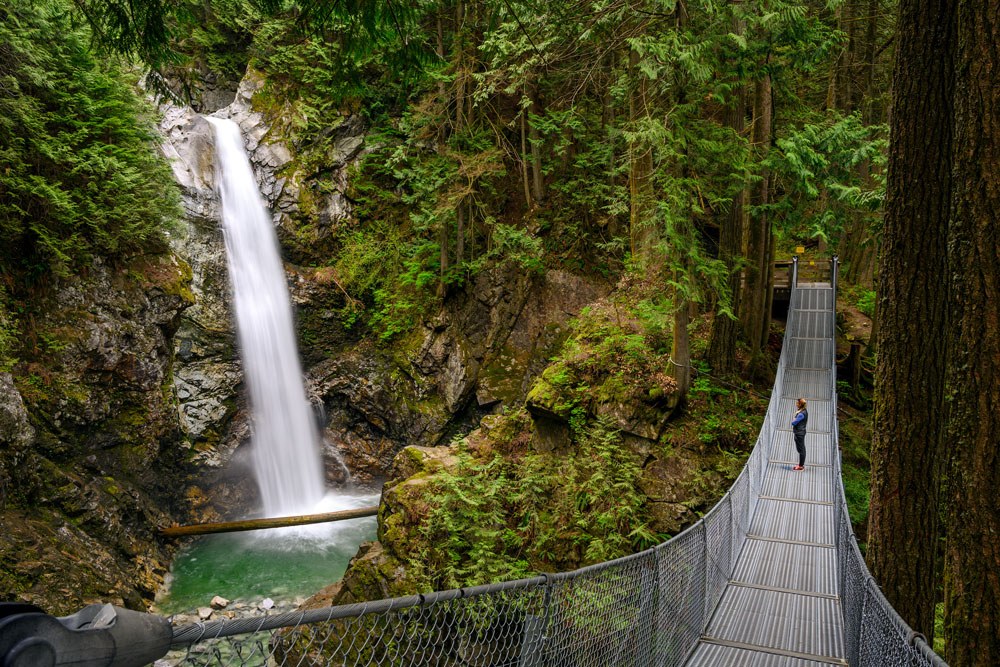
286	454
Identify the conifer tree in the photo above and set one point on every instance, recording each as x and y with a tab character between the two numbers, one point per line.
972	558
81	177
908	453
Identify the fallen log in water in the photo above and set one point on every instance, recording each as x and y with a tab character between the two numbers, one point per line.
259	524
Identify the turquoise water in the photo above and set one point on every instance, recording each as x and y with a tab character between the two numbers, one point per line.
281	564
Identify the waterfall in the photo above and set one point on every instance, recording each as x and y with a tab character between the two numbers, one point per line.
285	444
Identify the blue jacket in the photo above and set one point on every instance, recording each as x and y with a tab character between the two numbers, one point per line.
799	422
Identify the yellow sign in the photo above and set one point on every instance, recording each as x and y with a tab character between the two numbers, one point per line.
799	249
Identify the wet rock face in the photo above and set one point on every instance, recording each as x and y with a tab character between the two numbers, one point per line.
307	204
16	431
477	355
372	408
90	449
207	371
207	90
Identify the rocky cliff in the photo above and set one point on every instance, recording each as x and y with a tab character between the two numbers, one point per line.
91	452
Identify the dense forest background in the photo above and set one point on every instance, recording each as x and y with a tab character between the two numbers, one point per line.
684	144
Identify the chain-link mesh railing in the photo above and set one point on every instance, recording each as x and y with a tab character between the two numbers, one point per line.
650	608
645	609
874	633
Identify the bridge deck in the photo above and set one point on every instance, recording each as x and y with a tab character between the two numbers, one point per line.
781	608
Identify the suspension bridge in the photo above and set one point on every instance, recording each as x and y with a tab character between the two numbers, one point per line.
770	577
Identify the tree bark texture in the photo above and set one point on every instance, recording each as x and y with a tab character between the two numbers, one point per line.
680	351
259	524
525	177
755	319
443	259
831	90
535	144
642	232
460	220
972	559
858	249
907	448
857	244
725	330
868	61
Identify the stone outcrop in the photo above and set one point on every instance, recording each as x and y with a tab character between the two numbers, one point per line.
207	371
478	354
16	431
207	90
90	451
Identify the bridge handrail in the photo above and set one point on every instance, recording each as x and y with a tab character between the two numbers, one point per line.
874	632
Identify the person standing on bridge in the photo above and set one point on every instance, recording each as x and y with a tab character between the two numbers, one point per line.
799	422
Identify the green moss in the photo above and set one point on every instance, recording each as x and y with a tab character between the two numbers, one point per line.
128	418
181	287
392	530
511	427
416	456
555	391
110	487
856	490
614	389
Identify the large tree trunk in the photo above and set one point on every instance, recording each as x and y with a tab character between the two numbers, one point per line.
857	247
907	448
972	560
535	144
833	85
680	352
754	317
857	252
642	232
443	259
725	330
525	175
460	219
868	62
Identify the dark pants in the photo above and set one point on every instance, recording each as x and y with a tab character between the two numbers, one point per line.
800	447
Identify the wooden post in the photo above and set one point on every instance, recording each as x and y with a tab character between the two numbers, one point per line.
258	524
854	364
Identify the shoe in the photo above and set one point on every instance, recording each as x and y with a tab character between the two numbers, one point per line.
798	468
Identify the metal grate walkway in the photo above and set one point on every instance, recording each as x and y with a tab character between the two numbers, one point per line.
781	608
